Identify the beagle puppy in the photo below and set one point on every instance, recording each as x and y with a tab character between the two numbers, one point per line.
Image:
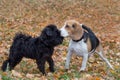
83	43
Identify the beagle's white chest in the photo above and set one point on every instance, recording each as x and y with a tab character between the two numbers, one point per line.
79	48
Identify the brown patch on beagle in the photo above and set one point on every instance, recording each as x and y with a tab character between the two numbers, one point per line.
74	29
88	44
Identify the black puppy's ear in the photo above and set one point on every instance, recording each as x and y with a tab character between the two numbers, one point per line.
48	32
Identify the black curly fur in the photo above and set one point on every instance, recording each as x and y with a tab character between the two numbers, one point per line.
40	48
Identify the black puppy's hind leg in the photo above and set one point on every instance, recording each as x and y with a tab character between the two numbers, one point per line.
14	62
11	63
14	59
51	64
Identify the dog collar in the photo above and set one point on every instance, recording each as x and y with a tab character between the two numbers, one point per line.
84	36
80	38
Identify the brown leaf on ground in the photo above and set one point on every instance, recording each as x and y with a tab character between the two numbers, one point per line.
16	74
30	75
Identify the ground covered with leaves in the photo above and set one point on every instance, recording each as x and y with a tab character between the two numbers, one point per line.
31	16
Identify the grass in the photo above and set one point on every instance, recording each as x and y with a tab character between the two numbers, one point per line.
64	77
6	78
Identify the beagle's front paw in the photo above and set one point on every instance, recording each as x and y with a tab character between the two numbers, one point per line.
82	70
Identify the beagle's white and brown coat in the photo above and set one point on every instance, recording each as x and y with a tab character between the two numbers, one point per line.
83	42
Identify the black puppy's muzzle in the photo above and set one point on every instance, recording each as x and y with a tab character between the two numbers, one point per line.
59	38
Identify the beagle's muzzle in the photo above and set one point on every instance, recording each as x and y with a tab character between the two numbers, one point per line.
83	43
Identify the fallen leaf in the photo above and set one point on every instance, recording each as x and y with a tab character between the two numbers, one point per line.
29	75
16	74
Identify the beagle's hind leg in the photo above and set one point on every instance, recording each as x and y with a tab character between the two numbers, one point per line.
99	51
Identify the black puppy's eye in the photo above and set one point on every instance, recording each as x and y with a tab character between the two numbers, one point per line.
49	32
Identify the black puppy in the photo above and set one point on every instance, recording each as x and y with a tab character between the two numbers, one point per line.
40	48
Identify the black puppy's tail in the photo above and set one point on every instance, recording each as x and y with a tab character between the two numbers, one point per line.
5	65
21	36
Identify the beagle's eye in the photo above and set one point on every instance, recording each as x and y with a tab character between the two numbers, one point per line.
73	26
67	26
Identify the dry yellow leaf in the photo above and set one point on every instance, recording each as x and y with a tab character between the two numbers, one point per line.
64	53
56	76
30	75
4	73
16	74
